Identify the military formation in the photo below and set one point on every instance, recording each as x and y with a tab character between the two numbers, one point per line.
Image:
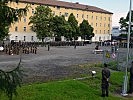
16	48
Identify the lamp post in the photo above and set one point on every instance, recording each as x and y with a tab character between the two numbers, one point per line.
124	91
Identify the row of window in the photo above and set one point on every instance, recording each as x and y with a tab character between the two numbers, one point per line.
83	16
24	38
24	29
96	31
102	38
100	25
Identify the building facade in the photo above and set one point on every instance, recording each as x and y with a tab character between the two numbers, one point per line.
99	19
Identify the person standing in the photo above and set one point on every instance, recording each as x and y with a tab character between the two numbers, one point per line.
105	81
131	79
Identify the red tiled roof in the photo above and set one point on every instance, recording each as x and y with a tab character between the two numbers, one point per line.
67	5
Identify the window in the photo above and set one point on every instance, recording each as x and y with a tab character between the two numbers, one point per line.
101	17
104	18
100	31
16	37
96	31
33	11
104	31
91	24
66	14
104	25
91	17
82	15
24	19
16	28
100	38
108	31
58	7
87	16
77	15
60	14
32	38
96	17
100	24
24	29
96	24
109	18
24	38
108	25
53	12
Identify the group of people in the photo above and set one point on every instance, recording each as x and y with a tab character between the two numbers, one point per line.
15	48
105	80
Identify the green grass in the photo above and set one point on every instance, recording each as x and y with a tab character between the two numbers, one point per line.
63	90
86	89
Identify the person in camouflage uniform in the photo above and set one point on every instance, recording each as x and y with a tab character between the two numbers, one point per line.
105	81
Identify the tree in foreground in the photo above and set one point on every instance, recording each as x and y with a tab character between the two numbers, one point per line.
9	80
9	15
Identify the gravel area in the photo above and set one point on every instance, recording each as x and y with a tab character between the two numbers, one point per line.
54	64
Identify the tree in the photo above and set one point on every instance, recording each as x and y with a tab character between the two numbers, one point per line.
125	21
9	80
8	16
74	24
60	27
41	22
86	30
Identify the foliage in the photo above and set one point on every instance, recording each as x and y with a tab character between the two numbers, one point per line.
86	30
60	26
74	25
8	16
125	21
9	81
41	22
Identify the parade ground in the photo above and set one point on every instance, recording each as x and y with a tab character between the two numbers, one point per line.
56	63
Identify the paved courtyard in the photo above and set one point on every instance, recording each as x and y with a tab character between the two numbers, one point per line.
54	64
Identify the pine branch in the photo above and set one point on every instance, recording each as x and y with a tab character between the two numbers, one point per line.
10	80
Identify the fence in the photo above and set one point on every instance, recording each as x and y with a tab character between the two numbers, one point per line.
117	60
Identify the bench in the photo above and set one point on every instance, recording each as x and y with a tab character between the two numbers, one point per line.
97	51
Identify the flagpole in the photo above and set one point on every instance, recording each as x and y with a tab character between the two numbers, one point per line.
124	91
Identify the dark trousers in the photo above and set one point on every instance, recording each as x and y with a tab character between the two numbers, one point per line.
130	86
105	89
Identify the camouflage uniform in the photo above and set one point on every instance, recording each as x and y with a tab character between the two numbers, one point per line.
105	81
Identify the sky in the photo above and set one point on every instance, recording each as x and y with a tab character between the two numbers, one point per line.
119	8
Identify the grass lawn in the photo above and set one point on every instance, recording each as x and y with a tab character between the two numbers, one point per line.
86	89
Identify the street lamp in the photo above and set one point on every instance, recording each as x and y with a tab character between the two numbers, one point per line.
124	91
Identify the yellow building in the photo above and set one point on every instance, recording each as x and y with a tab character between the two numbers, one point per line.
99	19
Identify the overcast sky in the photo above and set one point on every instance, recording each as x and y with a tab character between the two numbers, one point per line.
119	8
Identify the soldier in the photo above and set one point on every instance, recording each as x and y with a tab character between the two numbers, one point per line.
6	49
35	49
131	79
105	81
